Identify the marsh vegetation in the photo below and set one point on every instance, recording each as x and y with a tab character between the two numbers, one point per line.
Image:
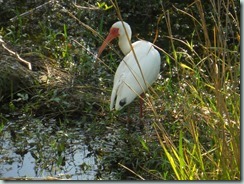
55	118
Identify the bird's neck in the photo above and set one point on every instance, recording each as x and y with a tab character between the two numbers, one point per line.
124	44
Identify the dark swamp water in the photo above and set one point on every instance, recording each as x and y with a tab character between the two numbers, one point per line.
30	149
38	149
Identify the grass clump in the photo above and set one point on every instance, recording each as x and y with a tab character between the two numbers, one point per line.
207	95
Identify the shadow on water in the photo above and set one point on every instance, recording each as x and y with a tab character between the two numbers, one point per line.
33	149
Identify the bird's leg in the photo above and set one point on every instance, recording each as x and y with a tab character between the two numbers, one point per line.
141	111
141	105
128	116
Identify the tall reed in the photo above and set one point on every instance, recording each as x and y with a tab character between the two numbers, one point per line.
209	147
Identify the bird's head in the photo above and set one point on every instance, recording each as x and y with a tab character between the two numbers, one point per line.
118	29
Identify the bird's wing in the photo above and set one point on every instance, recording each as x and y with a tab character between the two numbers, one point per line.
128	81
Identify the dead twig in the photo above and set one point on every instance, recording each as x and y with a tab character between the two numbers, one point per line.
30	11
131	171
91	7
16	54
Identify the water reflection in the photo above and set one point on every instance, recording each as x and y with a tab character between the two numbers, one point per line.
32	149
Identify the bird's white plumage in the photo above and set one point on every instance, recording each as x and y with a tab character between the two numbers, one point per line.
128	80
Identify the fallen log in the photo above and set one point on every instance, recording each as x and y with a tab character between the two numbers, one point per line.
15	72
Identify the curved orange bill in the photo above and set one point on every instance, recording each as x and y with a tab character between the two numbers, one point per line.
112	35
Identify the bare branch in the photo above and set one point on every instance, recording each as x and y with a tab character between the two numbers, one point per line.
30	11
16	54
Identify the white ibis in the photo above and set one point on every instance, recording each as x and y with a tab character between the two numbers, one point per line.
128	80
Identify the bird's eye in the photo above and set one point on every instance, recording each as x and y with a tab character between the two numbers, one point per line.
114	31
